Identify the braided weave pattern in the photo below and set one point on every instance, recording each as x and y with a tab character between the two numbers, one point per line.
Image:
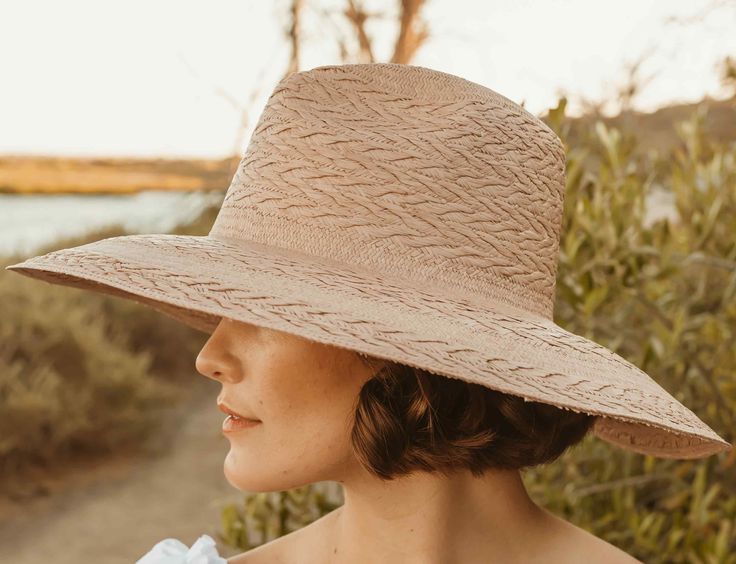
198	280
414	172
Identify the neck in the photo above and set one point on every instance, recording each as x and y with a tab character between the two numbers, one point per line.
432	519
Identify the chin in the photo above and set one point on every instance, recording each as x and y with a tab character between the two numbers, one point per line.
239	472
249	476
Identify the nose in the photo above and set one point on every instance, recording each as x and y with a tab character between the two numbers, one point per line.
207	365
212	361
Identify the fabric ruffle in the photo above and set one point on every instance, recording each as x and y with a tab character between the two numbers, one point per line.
173	551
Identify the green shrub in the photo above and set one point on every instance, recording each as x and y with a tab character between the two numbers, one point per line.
84	372
269	515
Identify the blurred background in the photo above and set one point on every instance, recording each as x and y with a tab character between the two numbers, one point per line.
131	117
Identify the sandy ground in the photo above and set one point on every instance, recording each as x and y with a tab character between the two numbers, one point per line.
115	512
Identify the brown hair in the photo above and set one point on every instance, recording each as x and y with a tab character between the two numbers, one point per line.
410	419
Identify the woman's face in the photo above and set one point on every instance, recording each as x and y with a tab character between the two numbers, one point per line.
303	392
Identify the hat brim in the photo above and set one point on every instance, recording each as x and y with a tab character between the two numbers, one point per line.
197	280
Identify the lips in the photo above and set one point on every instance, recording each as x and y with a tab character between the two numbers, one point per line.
227	409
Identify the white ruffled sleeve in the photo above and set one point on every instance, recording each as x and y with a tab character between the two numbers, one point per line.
173	551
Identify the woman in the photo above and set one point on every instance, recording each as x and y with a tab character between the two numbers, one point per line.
306	396
378	287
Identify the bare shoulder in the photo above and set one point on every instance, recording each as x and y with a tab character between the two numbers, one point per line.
574	544
566	544
299	546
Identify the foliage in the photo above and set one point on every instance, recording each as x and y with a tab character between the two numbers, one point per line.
269	515
661	293
84	373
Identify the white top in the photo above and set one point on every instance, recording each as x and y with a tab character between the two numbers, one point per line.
173	551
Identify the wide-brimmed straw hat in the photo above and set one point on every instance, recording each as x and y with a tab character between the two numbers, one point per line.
404	213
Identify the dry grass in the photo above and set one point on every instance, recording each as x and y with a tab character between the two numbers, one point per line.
54	175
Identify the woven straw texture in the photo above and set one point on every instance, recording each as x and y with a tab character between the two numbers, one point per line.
406	213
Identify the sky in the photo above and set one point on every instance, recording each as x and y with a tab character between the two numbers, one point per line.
173	78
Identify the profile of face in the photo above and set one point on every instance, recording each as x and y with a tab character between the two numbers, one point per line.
303	392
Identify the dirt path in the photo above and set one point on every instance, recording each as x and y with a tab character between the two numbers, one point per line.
120	509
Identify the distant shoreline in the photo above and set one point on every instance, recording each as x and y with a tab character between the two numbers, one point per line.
36	174
26	175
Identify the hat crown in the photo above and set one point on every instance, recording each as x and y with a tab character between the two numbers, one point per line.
409	171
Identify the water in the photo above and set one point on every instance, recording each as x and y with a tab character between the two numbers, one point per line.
28	222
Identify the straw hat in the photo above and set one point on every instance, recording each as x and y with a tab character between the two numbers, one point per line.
408	214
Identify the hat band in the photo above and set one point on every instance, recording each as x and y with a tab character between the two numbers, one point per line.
379	255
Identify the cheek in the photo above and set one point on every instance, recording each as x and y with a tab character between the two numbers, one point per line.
305	442
305	434
313	438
